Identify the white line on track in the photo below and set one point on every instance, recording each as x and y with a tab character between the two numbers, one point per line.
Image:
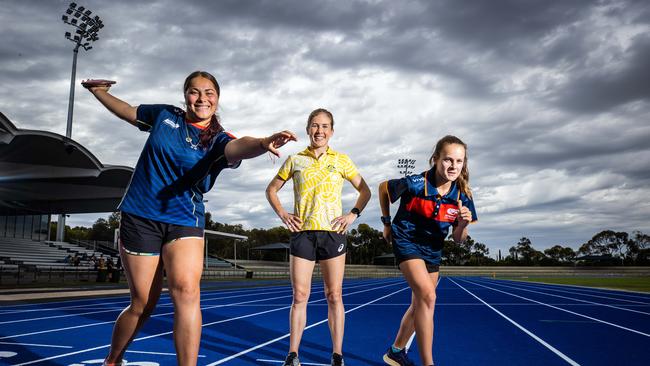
551	288
568	298
393	283
544	343
562	309
624	293
307	327
157	353
164	314
302	363
35	345
93	302
164	301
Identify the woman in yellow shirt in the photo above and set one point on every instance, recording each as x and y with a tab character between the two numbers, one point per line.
317	226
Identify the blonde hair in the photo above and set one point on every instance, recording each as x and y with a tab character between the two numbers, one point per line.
463	178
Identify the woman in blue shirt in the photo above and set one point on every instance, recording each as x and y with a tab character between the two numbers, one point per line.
162	221
430	204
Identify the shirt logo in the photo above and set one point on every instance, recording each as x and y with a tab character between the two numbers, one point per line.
450	215
171	123
341	247
331	168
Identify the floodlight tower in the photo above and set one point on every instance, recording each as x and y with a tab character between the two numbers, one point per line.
86	29
85	32
407	164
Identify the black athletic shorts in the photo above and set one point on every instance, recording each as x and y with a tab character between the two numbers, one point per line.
315	245
140	236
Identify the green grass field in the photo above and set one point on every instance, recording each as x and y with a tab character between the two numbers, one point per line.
619	283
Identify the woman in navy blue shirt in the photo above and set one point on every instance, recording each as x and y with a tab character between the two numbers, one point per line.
430	204
163	216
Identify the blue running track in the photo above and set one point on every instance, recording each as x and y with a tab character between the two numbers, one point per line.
478	321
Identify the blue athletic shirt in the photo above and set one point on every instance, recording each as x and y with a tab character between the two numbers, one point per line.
171	175
424	217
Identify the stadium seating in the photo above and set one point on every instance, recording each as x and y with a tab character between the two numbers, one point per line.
42	255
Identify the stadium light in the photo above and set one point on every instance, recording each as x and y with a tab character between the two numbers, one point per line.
86	29
407	165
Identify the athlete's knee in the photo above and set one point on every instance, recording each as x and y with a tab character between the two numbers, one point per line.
426	298
185	292
300	297
334	296
141	307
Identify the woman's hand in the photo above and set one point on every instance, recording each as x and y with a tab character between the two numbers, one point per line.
464	215
292	221
341	223
388	234
277	140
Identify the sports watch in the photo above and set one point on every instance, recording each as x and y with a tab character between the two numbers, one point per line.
386	220
356	211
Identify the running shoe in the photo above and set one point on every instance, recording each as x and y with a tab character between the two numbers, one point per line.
337	360
292	359
397	358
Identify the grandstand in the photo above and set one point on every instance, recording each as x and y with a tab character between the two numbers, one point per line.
45	255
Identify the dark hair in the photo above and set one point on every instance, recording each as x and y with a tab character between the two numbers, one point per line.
318	111
463	178
215	124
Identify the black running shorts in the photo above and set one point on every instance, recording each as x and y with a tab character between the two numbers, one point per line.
315	245
140	236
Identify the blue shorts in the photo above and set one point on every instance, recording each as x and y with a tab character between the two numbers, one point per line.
407	250
142	236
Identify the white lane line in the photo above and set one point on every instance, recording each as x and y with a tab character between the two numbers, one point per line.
159	315
204	325
92	301
161	305
35	345
568	298
553	349
59	316
561	309
98	301
597	290
157	353
302	363
550	288
307	327
164	302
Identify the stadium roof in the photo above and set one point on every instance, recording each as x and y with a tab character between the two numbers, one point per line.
45	173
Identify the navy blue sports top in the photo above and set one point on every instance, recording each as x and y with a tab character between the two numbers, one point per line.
424	217
172	175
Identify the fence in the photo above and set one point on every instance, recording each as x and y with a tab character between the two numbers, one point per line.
21	275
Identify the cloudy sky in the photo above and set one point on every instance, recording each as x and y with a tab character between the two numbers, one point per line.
552	97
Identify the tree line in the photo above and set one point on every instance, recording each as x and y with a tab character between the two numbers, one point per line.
366	246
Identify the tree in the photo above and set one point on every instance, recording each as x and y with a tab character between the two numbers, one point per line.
478	255
114	220
101	230
524	253
608	242
559	254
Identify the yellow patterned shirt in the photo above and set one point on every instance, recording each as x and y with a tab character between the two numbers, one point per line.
317	186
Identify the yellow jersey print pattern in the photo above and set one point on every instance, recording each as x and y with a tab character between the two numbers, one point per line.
317	186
